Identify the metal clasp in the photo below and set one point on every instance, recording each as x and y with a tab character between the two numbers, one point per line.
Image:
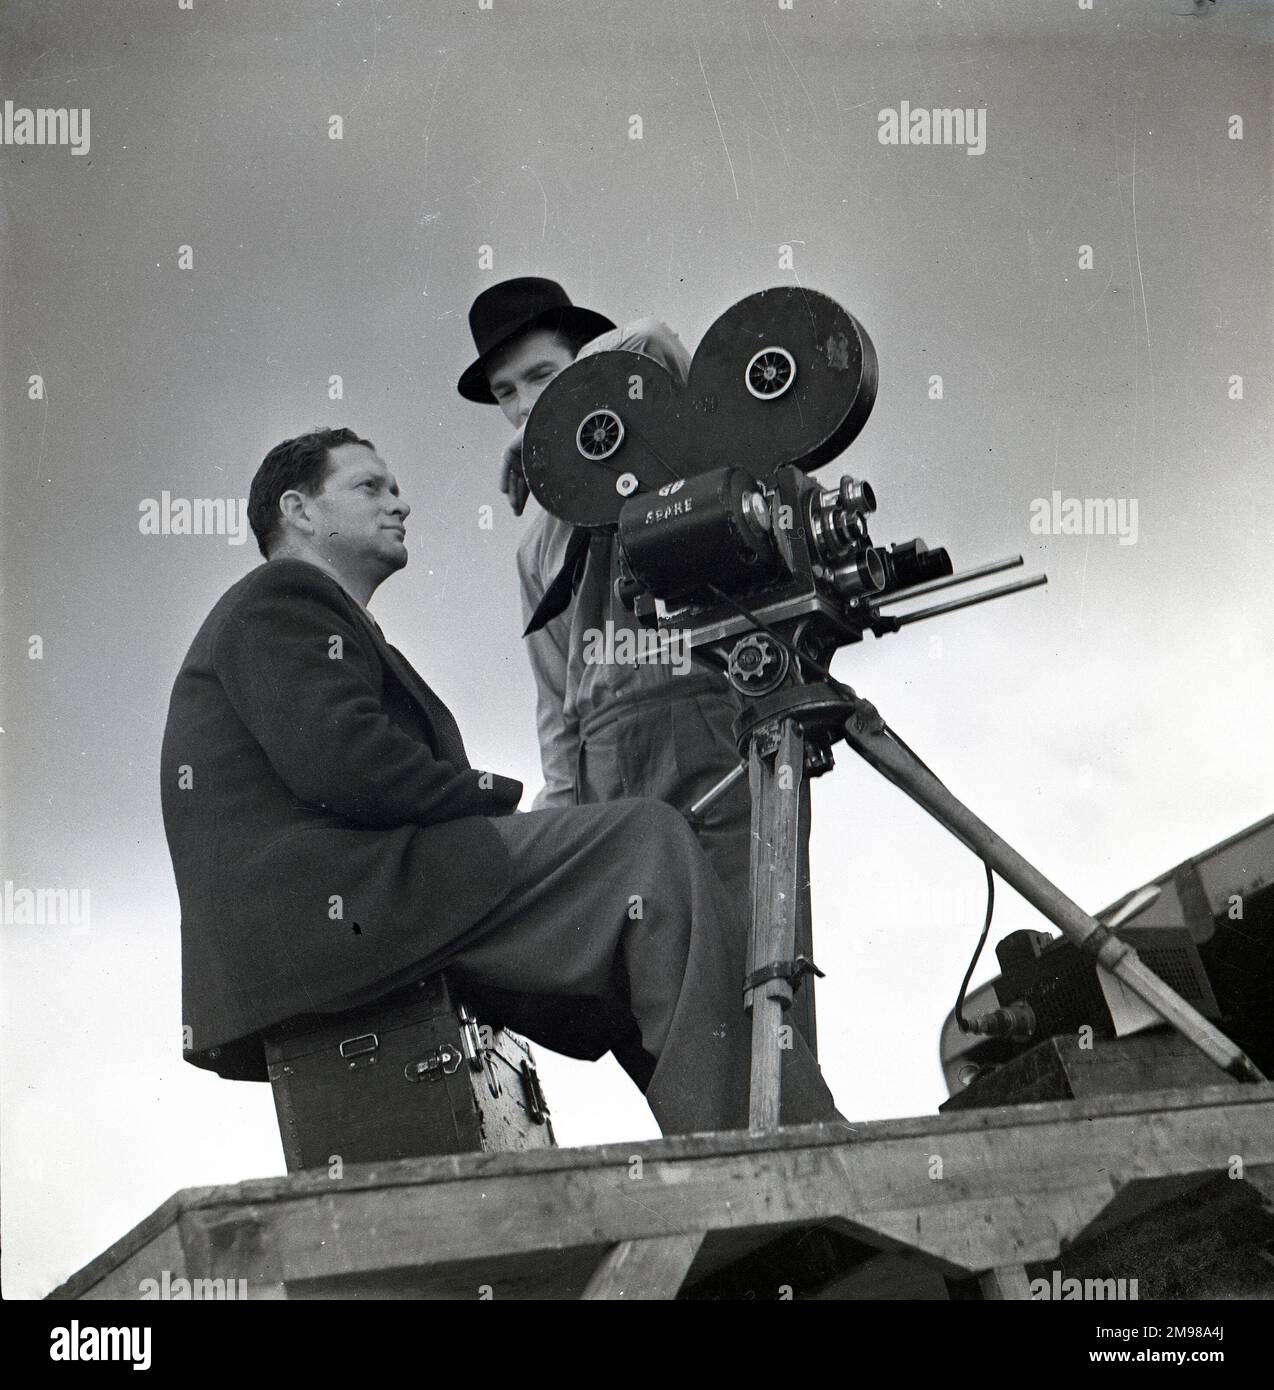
535	1103
470	1038
435	1066
478	1056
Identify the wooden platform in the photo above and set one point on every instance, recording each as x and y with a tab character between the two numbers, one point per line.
1173	1188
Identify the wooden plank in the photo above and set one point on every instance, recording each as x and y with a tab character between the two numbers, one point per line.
233	1245
410	1172
1017	1194
117	1256
644	1269
1015	1184
162	1252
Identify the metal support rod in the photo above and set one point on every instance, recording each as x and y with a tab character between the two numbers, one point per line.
962	577
866	735
777	768
953	604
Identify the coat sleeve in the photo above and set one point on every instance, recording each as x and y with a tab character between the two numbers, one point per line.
305	679
649	336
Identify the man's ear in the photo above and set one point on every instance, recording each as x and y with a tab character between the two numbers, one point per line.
294	509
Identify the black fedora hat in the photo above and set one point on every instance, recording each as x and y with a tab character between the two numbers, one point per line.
511	307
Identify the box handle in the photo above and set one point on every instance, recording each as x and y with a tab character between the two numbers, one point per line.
360	1051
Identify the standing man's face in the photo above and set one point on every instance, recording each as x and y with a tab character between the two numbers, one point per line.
522	371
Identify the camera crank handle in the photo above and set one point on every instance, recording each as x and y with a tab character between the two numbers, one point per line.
695	814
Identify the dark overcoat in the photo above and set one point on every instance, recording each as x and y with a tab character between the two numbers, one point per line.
325	827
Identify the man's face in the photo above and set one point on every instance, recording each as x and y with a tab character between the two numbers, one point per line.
358	516
523	369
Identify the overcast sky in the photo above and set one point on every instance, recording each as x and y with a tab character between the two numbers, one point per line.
1108	725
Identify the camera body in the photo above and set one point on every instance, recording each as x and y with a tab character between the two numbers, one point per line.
697	552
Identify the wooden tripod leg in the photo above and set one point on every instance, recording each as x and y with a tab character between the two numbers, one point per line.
777	769
801	1015
866	735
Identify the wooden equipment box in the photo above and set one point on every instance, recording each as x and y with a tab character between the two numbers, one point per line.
404	1077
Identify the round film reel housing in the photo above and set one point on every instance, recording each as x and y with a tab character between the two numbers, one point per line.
603	429
783	376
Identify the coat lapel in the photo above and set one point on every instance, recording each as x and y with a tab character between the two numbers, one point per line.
438	717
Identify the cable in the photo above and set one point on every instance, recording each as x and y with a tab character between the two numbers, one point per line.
968	974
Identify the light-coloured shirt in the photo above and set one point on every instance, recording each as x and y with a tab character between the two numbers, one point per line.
570	690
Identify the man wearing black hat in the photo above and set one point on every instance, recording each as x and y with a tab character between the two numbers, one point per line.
606	730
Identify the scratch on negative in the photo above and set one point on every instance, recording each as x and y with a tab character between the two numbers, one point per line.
717	118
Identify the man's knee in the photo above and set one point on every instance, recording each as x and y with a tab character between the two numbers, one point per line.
660	830
644	810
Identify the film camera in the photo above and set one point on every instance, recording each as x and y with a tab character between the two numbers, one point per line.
721	532
723	536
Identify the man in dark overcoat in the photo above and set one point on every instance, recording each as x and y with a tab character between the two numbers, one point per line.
331	841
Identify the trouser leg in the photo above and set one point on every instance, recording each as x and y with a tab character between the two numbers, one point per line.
617	934
675	751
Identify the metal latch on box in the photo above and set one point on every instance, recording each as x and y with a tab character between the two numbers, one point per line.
478	1056
535	1105
435	1066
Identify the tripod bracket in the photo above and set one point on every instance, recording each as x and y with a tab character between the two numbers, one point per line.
866	718
793	971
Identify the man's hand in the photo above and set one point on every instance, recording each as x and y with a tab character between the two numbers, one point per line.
512	479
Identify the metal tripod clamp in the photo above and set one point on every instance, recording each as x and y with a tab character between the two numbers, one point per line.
793	971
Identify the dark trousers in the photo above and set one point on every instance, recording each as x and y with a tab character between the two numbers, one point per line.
617	935
674	744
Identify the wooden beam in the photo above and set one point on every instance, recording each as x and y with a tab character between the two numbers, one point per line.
644	1269
1011	1186
1006	1194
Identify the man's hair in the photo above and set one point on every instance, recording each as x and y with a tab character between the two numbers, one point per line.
301	464
573	338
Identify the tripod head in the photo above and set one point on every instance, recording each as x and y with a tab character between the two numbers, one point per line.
722	534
